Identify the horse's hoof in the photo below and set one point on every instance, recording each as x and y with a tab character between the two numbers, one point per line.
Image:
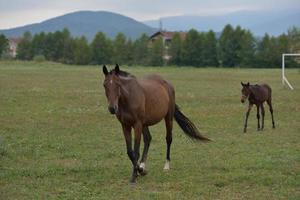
133	181
132	184
167	166
143	172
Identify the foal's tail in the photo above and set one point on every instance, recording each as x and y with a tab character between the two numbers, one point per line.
187	126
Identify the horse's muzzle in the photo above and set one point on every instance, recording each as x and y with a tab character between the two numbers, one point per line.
243	98
113	109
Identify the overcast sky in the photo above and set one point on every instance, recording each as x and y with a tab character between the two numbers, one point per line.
15	13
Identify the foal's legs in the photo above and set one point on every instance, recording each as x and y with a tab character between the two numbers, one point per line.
271	111
263	116
247	115
169	127
257	115
147	139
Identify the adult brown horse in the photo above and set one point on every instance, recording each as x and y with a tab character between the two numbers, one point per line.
257	94
140	103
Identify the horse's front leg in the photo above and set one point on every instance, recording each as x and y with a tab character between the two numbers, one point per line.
137	140
127	135
247	115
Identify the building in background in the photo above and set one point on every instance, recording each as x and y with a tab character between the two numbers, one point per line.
13	46
167	37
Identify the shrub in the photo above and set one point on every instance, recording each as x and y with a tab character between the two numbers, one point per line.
39	58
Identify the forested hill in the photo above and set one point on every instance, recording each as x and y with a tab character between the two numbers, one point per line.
87	23
258	22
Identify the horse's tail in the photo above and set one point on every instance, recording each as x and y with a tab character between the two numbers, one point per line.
187	126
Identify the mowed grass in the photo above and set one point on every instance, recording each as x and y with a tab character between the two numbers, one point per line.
58	141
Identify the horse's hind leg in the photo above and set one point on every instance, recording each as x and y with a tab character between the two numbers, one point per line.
263	116
271	111
169	127
257	115
147	139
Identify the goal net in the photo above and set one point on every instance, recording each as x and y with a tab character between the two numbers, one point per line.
284	79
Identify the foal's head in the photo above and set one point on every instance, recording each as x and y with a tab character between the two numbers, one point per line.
245	91
112	85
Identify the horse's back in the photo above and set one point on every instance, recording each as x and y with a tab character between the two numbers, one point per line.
262	92
267	87
156	78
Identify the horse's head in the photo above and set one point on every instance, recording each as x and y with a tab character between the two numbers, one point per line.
245	91
112	85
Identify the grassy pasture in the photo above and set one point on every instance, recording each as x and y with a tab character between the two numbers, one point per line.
58	141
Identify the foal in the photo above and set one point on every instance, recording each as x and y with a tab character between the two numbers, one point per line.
257	94
140	103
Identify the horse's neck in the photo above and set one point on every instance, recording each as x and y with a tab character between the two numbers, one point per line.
129	90
255	92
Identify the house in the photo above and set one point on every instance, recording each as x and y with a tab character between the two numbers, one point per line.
167	37
13	46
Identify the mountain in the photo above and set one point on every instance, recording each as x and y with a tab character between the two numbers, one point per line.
86	23
259	22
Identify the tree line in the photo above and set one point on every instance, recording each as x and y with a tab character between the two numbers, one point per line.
233	47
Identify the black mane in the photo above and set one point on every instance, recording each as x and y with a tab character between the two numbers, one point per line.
121	73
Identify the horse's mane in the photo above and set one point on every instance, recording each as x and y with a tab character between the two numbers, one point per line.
122	73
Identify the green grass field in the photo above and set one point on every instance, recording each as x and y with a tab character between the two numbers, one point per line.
58	140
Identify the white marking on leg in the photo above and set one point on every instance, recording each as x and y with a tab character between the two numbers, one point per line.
167	165
143	166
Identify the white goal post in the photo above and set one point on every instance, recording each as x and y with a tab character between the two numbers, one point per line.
284	79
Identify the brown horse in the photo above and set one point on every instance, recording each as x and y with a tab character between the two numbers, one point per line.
257	94
140	103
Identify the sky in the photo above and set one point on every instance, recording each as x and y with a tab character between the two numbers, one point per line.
14	13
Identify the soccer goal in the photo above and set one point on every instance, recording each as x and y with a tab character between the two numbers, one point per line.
284	79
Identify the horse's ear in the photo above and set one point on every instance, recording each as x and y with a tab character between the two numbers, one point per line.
248	84
242	84
104	69
117	69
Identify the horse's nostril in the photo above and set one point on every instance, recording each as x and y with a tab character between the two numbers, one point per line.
112	110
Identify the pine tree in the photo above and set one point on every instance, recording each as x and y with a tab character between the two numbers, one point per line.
156	52
175	49
210	50
119	48
3	44
24	50
68	42
140	49
129	57
294	39
226	47
102	49
82	53
247	51
265	52
191	52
